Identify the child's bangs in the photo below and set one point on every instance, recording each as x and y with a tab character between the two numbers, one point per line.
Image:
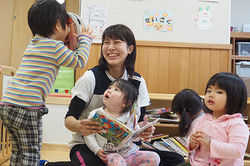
218	81
119	85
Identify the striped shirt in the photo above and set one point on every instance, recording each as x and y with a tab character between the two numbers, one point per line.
39	67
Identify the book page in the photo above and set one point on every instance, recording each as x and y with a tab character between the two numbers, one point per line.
136	133
139	131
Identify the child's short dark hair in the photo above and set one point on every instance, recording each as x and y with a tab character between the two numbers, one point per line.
188	104
121	32
129	90
43	16
235	89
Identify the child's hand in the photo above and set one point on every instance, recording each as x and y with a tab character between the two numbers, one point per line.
72	36
203	138
88	31
146	135
102	156
73	41
193	141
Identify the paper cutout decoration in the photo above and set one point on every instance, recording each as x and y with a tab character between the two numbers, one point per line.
158	20
204	19
96	16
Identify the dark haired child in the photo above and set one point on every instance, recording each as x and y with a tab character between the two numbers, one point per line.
221	136
23	103
118	100
188	105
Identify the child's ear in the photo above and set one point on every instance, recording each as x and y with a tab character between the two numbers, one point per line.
58	25
125	104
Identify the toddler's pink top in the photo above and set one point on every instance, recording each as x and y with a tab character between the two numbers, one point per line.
229	137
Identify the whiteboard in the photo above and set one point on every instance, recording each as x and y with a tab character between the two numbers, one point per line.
131	13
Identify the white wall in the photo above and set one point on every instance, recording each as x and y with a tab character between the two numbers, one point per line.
240	12
130	13
54	131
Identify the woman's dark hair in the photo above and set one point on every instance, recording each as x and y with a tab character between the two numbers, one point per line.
129	90
43	16
123	33
235	90
188	104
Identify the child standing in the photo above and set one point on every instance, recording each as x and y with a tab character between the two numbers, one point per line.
188	105
221	137
23	103
118	100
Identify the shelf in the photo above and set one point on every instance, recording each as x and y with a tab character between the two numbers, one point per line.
246	162
59	98
166	125
234	38
170	97
165	128
240	35
239	57
161	96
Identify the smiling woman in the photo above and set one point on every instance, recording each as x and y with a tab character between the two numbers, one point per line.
117	60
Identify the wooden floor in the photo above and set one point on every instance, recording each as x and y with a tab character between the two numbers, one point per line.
52	153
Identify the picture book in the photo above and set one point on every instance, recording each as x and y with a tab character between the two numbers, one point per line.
117	132
170	144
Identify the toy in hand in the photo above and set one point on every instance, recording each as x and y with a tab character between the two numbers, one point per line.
75	25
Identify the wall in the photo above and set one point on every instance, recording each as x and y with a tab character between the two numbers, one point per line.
130	13
6	15
21	33
15	32
54	131
168	67
240	13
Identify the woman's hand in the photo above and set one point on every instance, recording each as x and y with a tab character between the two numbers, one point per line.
102	156
88	127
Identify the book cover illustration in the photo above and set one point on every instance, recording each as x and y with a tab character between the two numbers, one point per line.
115	131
